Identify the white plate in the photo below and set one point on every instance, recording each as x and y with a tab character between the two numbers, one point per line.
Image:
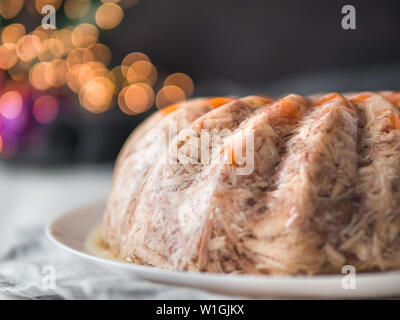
71	231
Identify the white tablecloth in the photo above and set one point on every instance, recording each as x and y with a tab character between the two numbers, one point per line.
28	198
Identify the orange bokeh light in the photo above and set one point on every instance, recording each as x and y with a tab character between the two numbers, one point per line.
64	35
39	4
84	35
130	59
116	76
134	57
142	71
136	98
11	104
101	53
73	78
60	68
12	33
27	47
8	56
50	49
109	15
79	56
20	70
75	9
10	8
42	75
80	74
169	95
97	95
73	56
43	34
182	81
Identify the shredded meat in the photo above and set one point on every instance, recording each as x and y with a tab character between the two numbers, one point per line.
323	192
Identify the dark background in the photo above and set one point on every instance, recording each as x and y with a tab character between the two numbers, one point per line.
240	48
249	42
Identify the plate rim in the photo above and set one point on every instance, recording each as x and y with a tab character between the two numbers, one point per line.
202	276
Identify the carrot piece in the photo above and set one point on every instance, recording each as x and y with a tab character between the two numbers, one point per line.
288	109
395	120
332	96
219	101
392	96
171	108
361	97
329	97
266	100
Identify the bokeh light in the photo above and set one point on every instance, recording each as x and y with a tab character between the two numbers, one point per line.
11	105
109	15
84	35
42	75
38	66
20	70
39	4
101	53
79	56
43	34
116	76
142	71
121	102
130	59
12	33
45	109
74	57
8	56
50	49
169	95
75	9
22	88
73	80
182	81
64	35
134	57
10	8
136	98
27	47
97	94
61	70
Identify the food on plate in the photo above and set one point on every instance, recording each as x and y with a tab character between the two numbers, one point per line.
253	185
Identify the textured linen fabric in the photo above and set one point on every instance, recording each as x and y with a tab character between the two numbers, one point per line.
29	197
